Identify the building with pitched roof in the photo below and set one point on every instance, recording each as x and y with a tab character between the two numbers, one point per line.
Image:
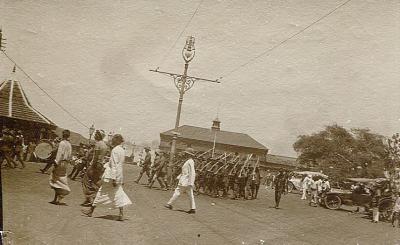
17	112
277	162
203	139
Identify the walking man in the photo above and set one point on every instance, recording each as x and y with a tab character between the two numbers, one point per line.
58	177
146	166
281	186
111	191
186	181
159	171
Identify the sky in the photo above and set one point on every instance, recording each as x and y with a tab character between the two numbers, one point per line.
94	58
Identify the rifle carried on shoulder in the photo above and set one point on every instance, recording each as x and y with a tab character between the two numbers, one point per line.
223	158
202	154
253	174
245	164
234	166
226	165
211	162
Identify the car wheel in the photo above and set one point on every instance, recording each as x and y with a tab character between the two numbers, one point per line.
385	208
291	187
333	202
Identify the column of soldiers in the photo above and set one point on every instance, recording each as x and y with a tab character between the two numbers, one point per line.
228	176
225	175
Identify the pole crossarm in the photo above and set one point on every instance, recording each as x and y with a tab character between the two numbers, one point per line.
174	75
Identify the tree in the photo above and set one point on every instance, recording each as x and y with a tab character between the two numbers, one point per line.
393	150
343	153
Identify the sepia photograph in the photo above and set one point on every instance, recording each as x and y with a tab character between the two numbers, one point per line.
200	122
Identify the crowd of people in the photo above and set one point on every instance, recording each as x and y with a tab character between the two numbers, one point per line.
217	176
13	149
223	175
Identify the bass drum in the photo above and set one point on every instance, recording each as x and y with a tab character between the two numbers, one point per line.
43	149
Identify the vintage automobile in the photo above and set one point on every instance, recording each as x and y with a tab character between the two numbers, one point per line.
359	195
296	181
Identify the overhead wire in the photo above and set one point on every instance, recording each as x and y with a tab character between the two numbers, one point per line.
180	34
44	91
285	40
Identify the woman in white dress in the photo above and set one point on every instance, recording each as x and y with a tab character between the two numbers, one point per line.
111	191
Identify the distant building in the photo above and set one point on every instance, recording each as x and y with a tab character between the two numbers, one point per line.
276	162
202	139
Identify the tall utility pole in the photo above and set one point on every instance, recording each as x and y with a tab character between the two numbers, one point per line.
183	83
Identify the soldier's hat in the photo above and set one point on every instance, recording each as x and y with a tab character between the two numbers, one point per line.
147	148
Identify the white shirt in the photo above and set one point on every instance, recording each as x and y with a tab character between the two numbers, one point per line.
64	151
188	175
113	168
326	185
319	185
306	182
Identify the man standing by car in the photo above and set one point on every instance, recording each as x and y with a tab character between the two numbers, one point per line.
306	184
313	191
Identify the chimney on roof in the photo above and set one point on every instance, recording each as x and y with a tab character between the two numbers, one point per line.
216	124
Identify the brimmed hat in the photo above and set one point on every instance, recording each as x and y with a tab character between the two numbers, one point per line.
147	148
189	151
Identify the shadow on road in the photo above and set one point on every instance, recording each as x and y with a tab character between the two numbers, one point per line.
180	210
109	217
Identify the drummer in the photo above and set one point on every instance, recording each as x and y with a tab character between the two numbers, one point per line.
51	160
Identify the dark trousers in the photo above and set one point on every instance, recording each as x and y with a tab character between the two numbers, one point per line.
278	195
7	156
145	169
18	155
48	165
76	170
257	188
160	180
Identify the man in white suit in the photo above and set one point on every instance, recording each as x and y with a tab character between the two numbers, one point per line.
186	182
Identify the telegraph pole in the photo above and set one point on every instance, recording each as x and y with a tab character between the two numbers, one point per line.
183	83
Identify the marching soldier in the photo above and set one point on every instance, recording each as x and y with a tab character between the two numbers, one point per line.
255	182
146	166
159	171
281	186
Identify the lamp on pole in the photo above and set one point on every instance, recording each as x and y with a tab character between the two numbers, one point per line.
91	131
183	83
110	135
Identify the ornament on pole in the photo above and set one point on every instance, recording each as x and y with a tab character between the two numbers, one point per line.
189	51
